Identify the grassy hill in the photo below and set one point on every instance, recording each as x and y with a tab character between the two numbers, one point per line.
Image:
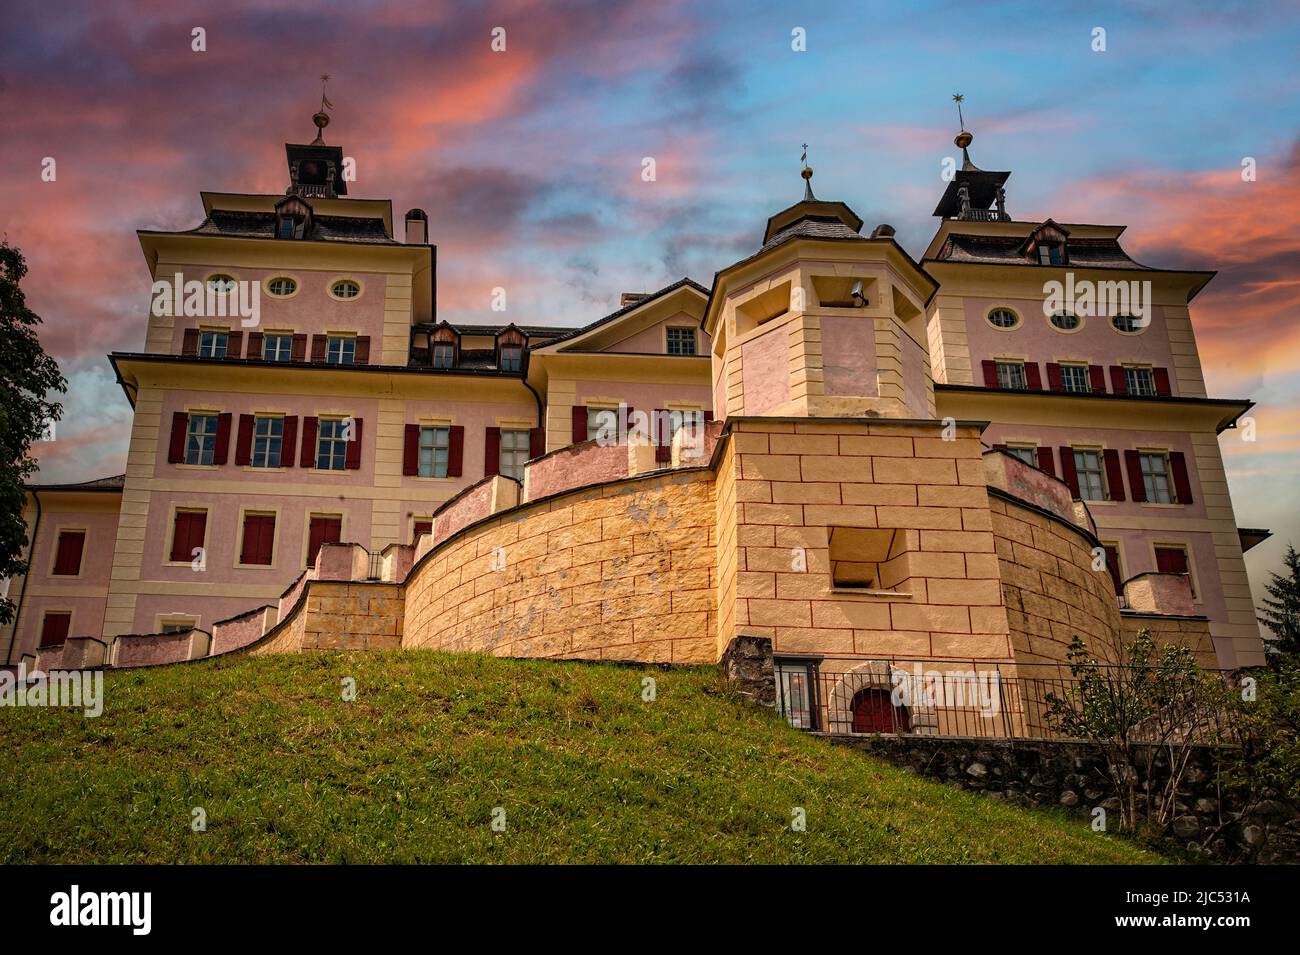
410	771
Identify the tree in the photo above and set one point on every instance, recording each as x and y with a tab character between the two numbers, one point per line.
1281	610
27	377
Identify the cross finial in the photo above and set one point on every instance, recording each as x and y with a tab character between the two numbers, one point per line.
804	158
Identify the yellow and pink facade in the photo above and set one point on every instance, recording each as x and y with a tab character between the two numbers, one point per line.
849	453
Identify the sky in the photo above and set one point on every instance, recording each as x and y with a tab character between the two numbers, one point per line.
530	160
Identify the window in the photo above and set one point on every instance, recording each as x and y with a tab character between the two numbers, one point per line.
1113	566
340	350
1050	254
1088	468
1065	321
322	529
1074	378
1172	559
514	453
178	625
1155	477
444	355
345	288
1140	381
67	553
259	539
601	419
1128	324
189	527
1029	455
1011	374
201	439
54	628
291	227
796	692
681	341
212	344
435	450
268	440
512	357
331	444
277	347
1003	318
281	286
221	283
683	419
421	526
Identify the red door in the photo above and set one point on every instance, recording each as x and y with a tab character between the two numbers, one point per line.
874	712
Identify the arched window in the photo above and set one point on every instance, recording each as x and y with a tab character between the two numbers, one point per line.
874	712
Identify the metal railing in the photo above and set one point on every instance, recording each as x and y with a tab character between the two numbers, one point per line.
977	698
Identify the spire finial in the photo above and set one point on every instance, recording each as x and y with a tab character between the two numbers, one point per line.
322	118
807	174
963	138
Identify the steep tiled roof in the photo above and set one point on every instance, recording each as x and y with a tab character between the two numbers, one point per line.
1006	250
324	228
812	228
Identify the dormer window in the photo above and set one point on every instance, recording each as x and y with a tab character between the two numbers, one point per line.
510	349
443	345
512	357
1046	244
292	218
1050	254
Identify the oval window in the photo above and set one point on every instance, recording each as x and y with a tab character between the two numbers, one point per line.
1003	318
1127	324
221	282
1065	321
282	286
345	288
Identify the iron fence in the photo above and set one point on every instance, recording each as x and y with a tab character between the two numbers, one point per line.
977	698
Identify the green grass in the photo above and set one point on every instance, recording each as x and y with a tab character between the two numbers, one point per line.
287	771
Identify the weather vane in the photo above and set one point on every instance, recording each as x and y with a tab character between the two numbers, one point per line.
957	98
324	100
804	158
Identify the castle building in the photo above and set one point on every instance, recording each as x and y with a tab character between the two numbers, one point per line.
837	448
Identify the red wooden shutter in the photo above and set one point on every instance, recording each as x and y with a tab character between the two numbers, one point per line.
1114	474
289	442
308	456
222	450
1118	383
352	456
235	345
411	450
1054	377
456	451
1182	484
298	348
1161	376
1045	460
990	373
999	447
1033	379
492	452
708	416
1136	488
1171	560
1112	564
322	530
259	536
54	629
422	527
176	448
1068	473
579	423
362	354
67	555
536	443
661	427
187	534
244	441
190	342
1097	379
318	345
255	345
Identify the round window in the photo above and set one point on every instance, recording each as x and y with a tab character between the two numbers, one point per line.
221	283
1003	318
282	286
345	288
1127	323
1065	321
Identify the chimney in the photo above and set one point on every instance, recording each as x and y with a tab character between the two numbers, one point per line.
629	298
417	227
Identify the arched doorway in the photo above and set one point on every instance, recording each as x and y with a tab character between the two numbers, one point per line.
874	712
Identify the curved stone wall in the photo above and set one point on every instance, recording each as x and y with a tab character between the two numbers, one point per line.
623	571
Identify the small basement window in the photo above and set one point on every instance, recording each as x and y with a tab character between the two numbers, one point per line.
868	558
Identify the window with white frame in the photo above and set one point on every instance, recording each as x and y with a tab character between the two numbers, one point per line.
1155	477
435	450
340	350
1088	468
331	444
601	419
268	440
1074	378
1139	381
212	344
201	439
1011	374
514	453
681	341
277	347
1027	454
691	420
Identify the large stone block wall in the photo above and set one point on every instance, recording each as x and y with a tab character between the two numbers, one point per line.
1192	632
624	571
338	615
